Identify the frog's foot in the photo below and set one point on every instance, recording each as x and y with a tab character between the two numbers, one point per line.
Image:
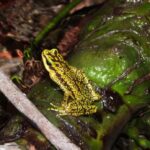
58	109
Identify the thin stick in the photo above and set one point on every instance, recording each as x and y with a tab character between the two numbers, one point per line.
25	106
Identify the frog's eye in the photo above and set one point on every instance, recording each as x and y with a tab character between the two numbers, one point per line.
55	52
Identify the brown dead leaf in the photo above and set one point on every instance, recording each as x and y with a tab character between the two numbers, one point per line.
86	3
5	54
69	39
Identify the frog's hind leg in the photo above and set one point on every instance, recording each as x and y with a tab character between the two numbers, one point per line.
76	108
53	106
67	99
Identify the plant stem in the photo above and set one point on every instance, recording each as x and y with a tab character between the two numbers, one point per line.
54	22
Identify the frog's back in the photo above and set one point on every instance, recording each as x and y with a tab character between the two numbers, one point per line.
84	86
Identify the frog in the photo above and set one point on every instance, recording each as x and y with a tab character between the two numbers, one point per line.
79	93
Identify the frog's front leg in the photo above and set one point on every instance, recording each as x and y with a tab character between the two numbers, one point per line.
63	108
59	109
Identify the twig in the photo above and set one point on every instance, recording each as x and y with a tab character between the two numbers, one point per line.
25	106
137	82
10	146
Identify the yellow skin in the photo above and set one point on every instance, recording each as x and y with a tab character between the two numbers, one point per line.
79	94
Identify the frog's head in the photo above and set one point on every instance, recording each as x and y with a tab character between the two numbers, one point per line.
51	58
